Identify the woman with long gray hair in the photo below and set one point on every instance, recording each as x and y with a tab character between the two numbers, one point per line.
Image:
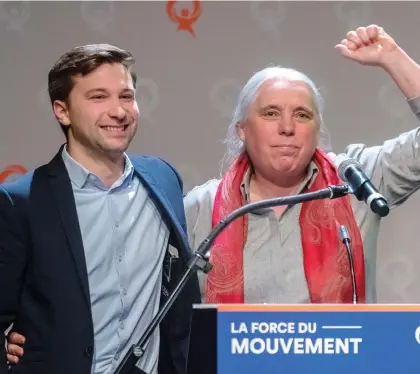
274	148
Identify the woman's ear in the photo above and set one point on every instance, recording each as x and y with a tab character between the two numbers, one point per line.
240	131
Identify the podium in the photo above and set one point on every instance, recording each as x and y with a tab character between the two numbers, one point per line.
304	339
202	356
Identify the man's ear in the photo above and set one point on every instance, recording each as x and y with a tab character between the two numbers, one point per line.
61	112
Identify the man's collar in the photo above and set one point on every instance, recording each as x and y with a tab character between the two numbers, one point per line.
82	177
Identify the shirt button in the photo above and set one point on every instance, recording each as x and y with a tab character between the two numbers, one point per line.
124	291
120	258
117	224
122	325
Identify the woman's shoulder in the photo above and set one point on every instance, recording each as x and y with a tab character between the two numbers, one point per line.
198	205
203	194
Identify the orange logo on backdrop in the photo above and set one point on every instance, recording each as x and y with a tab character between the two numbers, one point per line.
11	170
186	18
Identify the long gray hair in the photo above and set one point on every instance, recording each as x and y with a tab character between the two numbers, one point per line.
247	97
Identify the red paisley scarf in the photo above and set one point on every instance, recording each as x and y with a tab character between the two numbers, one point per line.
326	264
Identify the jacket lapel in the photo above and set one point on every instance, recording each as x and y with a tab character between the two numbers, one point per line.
158	195
64	199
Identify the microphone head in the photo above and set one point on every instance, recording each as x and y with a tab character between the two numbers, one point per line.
343	162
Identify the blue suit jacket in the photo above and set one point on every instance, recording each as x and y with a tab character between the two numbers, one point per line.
44	287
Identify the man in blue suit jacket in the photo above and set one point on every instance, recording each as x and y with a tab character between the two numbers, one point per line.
92	243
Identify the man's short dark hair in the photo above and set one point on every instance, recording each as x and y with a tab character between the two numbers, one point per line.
83	60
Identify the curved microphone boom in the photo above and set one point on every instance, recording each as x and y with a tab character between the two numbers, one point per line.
199	261
351	172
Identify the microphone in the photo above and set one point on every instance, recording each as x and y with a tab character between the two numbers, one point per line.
345	239
350	171
200	261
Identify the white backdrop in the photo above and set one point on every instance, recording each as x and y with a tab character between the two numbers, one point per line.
188	85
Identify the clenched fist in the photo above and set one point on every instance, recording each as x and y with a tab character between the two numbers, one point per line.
369	45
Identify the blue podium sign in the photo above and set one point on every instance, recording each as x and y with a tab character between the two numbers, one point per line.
318	339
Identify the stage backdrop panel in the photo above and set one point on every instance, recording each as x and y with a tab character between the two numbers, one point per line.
190	73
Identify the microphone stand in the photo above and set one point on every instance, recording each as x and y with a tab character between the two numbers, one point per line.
200	262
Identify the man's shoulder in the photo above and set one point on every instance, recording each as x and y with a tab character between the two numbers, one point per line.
146	159
162	174
20	186
153	164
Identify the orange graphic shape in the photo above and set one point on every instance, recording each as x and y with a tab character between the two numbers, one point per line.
186	18
11	170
